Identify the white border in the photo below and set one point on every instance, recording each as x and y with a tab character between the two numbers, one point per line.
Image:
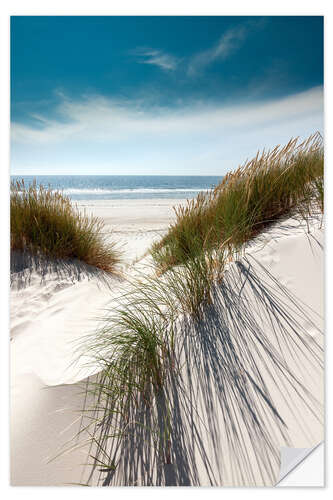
167	7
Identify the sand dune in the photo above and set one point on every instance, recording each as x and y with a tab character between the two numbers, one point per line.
53	305
276	288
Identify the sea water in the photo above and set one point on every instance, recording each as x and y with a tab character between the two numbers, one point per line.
113	187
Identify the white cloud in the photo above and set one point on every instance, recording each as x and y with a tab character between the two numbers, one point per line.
230	41
103	119
100	131
158	58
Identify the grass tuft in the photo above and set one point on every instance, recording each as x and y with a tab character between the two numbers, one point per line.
274	184
136	348
43	221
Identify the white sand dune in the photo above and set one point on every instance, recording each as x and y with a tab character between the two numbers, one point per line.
52	307
276	289
251	381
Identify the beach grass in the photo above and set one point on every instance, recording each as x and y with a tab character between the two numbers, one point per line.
274	184
45	222
136	346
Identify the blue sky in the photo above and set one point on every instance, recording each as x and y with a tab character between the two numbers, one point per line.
160	95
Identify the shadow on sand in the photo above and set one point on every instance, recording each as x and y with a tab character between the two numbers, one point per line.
245	385
23	265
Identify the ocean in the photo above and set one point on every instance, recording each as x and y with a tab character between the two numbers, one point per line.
117	187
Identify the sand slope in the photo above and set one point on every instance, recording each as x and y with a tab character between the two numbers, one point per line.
251	378
273	294
52	306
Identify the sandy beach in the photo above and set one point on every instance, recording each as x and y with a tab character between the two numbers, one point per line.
276	288
133	224
52	307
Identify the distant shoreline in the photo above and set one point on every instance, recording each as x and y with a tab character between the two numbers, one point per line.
130	187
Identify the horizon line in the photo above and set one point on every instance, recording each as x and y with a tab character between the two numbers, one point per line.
122	175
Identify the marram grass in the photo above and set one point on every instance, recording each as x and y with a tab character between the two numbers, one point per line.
274	184
44	221
136	348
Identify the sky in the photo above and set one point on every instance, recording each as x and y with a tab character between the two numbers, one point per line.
160	95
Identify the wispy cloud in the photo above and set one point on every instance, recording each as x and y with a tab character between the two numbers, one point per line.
228	43
165	61
192	139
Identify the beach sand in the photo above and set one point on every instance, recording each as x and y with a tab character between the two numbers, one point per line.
134	224
52	306
276	287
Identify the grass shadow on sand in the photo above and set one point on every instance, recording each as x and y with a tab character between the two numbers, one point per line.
23	265
242	390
